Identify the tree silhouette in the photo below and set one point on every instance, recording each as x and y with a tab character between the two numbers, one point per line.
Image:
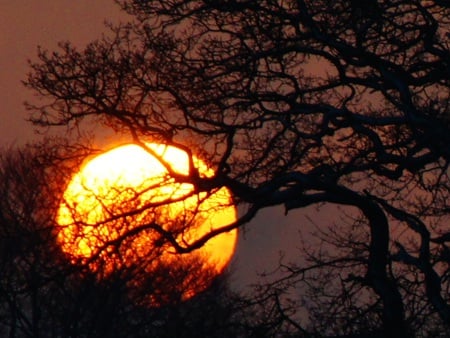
45	294
292	103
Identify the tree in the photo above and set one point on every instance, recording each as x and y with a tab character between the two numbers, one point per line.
292	103
44	294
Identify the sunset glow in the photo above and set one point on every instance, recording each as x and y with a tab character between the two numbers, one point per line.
112	204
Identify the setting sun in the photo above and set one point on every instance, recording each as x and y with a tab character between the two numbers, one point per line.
111	206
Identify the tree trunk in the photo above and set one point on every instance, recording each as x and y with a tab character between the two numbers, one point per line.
393	311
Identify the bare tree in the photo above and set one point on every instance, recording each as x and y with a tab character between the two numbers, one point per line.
292	103
30	181
43	293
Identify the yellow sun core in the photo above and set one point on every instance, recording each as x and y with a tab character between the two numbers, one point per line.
113	206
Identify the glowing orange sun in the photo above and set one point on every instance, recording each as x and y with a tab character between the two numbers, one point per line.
111	206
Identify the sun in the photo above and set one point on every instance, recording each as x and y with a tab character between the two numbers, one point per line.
111	209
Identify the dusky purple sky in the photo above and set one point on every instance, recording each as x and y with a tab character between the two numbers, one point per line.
26	24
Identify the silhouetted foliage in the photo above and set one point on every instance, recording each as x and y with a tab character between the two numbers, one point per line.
293	103
44	293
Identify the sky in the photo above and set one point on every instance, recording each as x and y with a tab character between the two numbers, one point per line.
27	24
